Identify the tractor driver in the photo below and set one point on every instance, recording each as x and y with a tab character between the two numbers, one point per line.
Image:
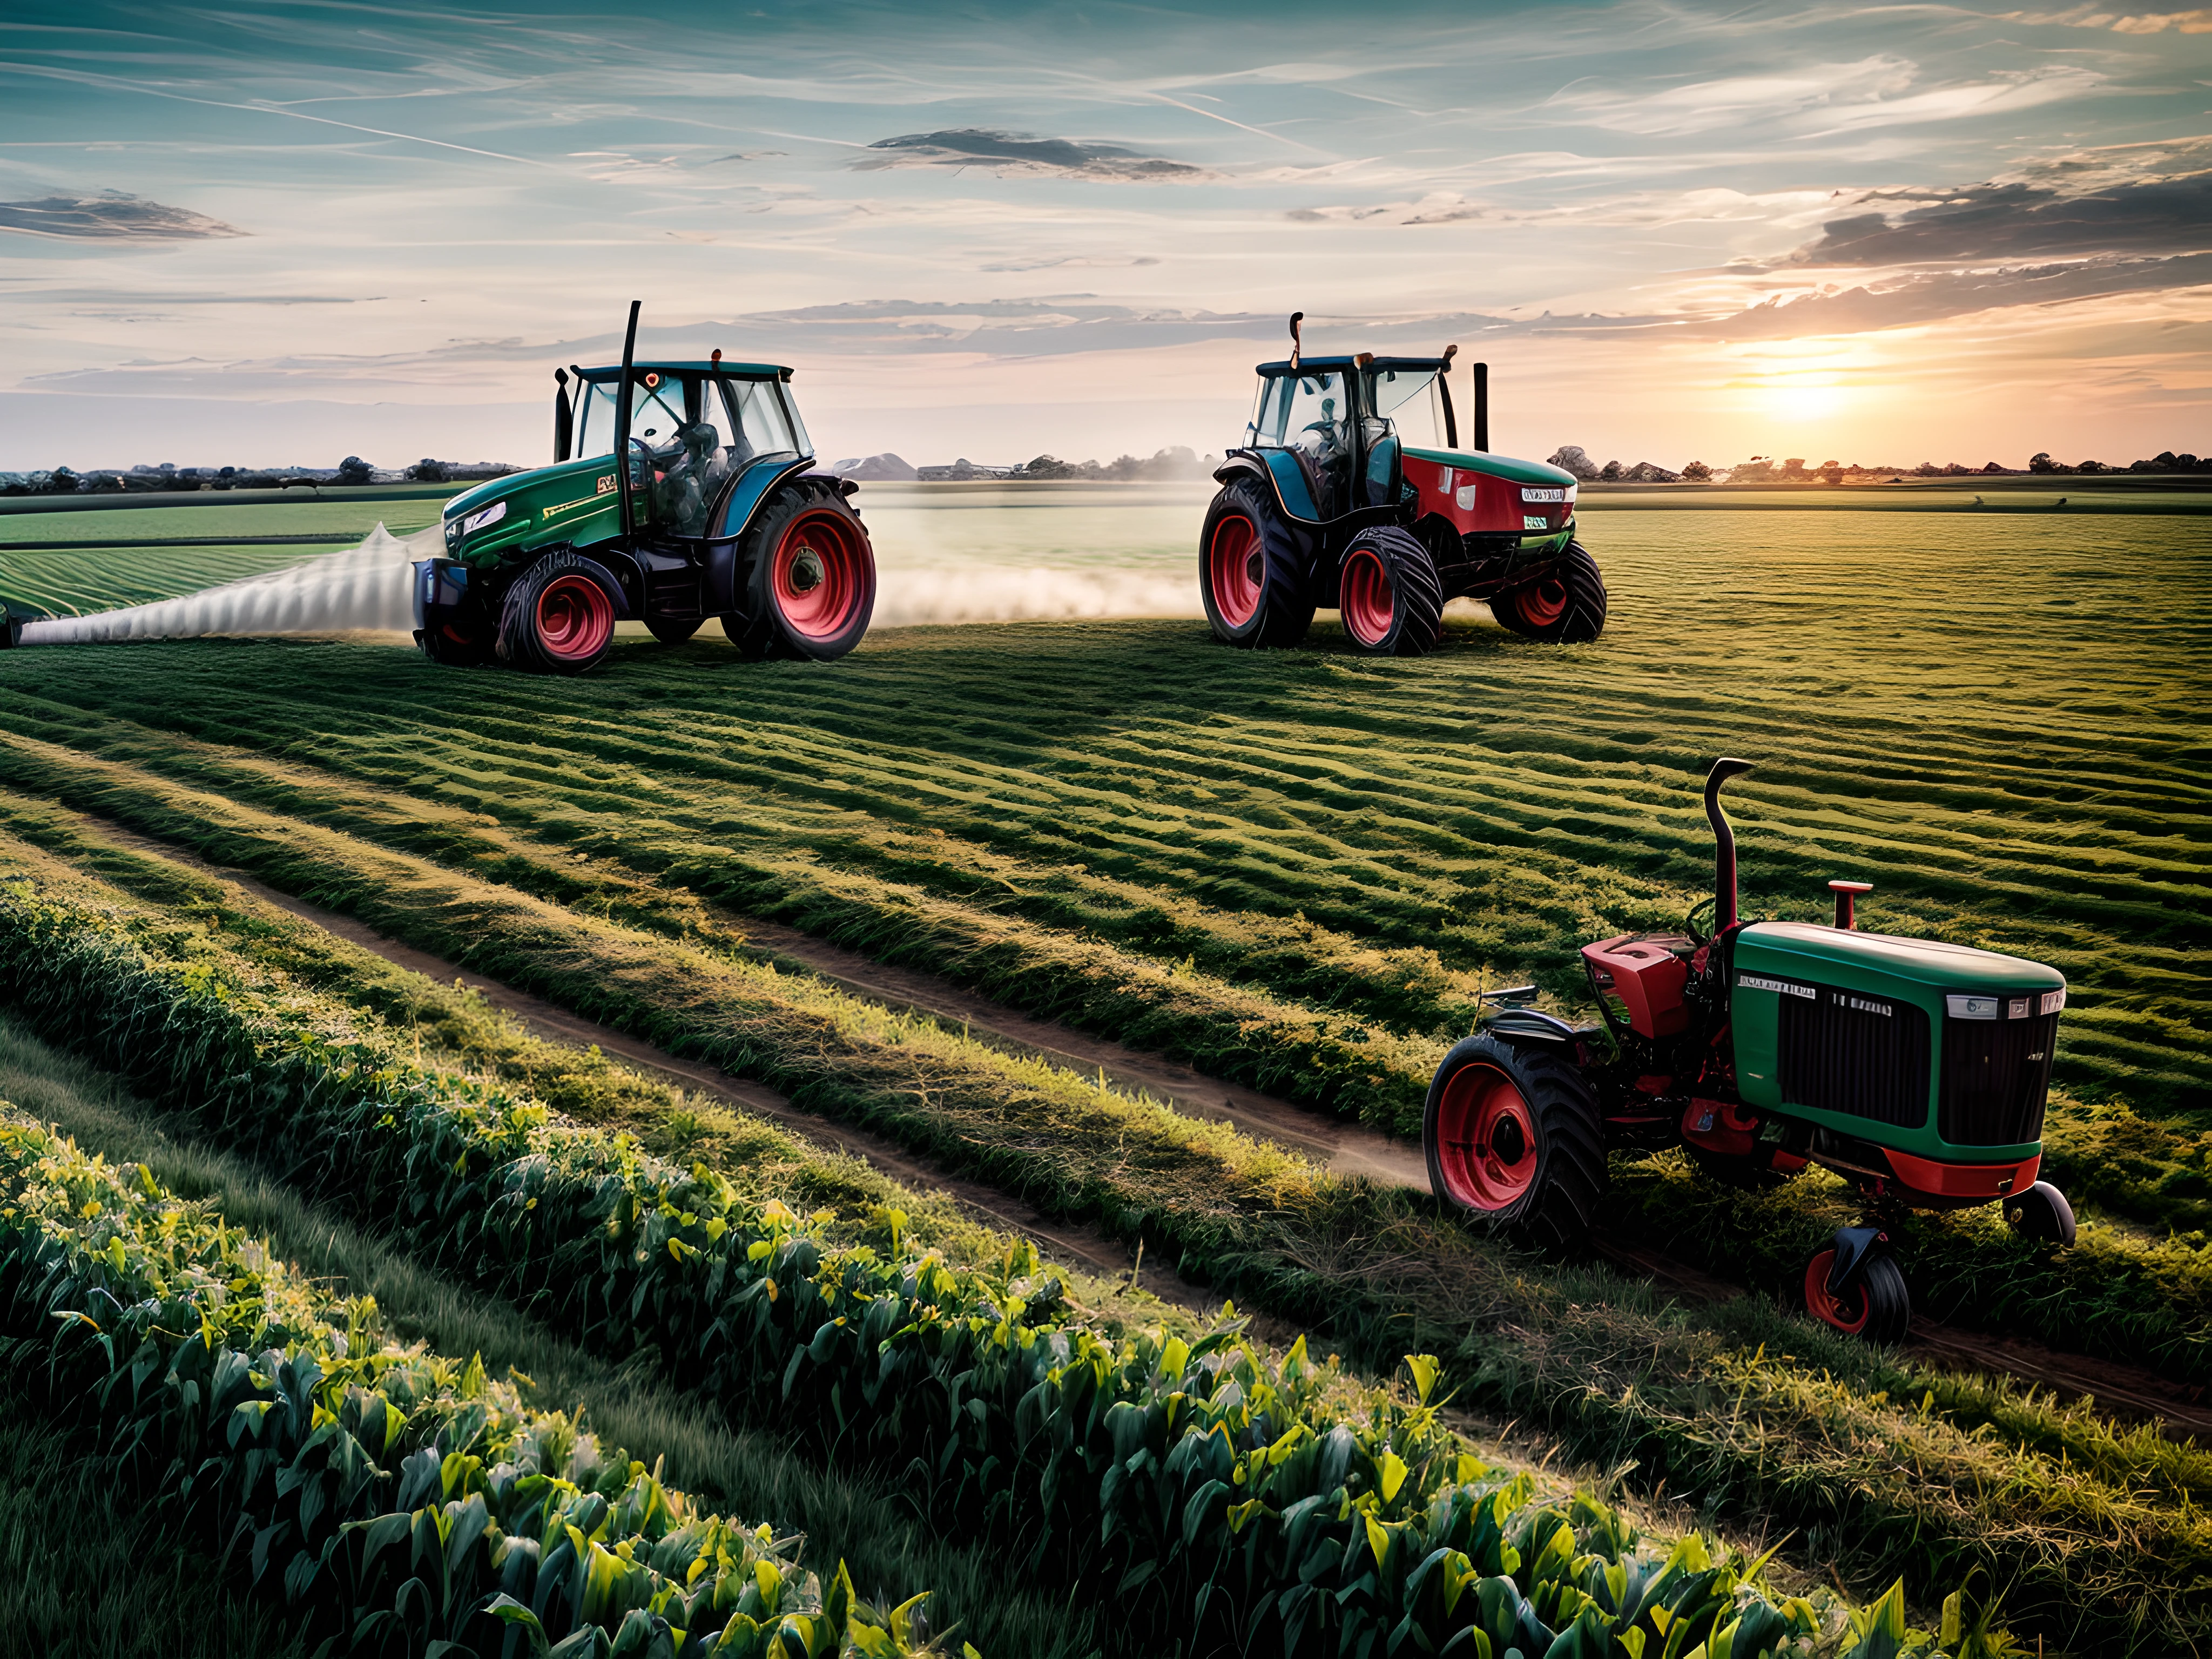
1320	446
686	488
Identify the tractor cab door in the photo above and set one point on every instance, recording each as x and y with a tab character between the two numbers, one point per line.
1310	416
1385	469
1405	406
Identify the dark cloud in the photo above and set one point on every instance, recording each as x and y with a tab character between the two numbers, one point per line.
1990	223
1010	152
1938	296
112	217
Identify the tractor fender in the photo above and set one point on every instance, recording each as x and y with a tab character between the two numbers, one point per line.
1530	1025
1251	464
747	495
1854	1248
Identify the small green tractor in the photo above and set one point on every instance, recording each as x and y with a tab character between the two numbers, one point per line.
693	496
1915	1069
1351	491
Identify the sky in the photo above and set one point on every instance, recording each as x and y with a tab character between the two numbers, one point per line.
277	234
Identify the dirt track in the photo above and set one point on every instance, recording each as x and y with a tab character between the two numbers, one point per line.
1348	1149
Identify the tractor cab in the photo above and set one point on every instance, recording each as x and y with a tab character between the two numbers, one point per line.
695	430
1351	490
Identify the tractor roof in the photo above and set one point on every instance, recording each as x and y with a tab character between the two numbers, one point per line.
1345	365
735	371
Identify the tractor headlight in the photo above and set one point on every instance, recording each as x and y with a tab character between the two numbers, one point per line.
477	520
1971	1008
2054	1000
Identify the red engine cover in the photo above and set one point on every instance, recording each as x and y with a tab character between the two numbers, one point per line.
1647	976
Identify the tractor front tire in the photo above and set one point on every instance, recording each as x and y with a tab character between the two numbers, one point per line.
1513	1137
1566	607
1250	572
1389	594
2042	1214
672	630
558	617
811	588
1878	1307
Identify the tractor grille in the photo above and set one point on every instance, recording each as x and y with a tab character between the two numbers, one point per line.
1845	1052
1996	1074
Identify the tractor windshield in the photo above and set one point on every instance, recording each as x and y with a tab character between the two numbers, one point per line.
1409	399
1303	411
671	411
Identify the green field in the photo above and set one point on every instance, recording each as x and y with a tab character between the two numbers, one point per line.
1296	870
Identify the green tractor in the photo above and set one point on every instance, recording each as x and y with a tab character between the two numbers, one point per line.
1352	491
1916	1070
693	494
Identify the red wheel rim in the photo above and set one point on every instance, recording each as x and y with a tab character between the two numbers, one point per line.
820	575
1847	1312
576	618
1364	598
1236	568
1541	604
1485	1140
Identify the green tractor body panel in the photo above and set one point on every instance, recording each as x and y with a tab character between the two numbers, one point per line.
1941	1051
573	501
1498	466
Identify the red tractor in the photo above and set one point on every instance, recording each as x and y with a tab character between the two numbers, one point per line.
1915	1069
1352	491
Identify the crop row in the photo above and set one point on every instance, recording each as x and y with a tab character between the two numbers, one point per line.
393	1499
1366	838
1025	1128
1617	1376
654	875
1204	1471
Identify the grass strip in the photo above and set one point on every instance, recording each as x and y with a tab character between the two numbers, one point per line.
1620	1375
1084	1152
388	1494
585	855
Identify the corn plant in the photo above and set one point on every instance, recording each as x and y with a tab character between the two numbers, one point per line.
405	1502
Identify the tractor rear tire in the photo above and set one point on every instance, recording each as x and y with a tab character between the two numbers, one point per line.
1249	571
1513	1137
1566	607
1878	1308
557	619
810	587
1388	595
2041	1212
672	630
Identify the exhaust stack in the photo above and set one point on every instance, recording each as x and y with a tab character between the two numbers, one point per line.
1482	407
1724	909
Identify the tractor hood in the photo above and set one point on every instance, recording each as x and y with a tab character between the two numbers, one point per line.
1496	466
1806	948
577	497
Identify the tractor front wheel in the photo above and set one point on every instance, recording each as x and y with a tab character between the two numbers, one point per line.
1877	1307
1388	593
557	619
672	630
1513	1136
812	588
1249	573
1565	607
2041	1212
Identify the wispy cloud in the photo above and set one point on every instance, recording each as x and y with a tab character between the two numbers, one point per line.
1015	152
111	216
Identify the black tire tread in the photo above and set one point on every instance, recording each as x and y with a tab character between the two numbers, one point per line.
1889	1302
1286	600
1583	619
1417	593
1557	1212
517	641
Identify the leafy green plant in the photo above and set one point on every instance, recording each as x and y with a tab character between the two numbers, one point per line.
400	1500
